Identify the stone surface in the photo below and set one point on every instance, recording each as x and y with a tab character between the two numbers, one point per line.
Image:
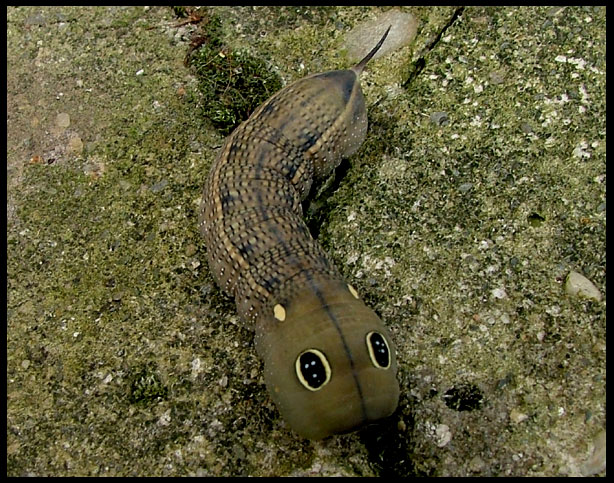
123	358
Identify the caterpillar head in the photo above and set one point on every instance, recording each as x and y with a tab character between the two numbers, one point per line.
329	361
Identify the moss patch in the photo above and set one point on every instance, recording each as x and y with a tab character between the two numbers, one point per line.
232	82
146	387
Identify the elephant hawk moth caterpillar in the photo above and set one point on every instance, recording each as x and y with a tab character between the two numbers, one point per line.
329	361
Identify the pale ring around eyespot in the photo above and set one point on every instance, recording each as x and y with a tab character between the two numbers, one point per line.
323	360
353	291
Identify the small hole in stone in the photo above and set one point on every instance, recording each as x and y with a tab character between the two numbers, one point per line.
465	397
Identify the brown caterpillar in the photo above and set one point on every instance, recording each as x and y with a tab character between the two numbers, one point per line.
330	364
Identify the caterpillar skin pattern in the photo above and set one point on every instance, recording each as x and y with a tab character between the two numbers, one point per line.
329	361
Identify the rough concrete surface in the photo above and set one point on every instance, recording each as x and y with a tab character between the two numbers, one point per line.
480	187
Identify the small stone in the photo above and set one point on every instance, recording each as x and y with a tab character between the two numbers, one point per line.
440	118
223	381
517	417
597	461
159	186
36	19
94	168
238	452
476	464
580	286
25	364
62	120
75	145
465	187
190	250
496	77
443	435
165	419
362	38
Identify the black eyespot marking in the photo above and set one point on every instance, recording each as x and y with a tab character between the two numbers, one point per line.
378	350
312	369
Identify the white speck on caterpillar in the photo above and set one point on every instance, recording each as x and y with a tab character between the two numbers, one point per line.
279	312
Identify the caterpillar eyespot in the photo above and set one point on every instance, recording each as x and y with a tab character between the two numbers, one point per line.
312	369
379	351
321	372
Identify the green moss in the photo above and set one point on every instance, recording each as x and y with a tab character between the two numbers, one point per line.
180	12
232	83
146	387
288	17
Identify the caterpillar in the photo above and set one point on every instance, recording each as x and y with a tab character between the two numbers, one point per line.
329	362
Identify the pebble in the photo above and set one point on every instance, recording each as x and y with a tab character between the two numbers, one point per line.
190	250
443	435
362	38
94	168
75	145
440	118
496	77
463	188
580	286
517	417
62	120
477	464
596	463
159	186
36	19
165	419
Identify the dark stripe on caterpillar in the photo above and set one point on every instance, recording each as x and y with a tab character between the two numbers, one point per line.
348	352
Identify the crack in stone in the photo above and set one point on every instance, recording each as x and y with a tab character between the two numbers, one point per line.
420	63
